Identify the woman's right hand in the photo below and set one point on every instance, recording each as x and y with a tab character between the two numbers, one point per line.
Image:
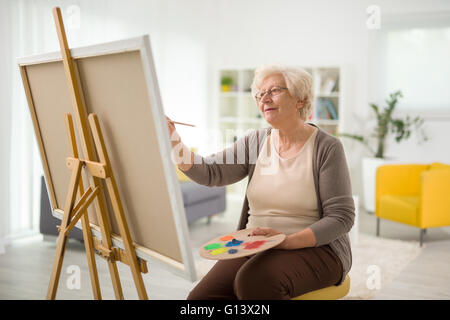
181	150
170	125
174	137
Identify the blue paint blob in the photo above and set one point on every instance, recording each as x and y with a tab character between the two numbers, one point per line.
233	243
231	251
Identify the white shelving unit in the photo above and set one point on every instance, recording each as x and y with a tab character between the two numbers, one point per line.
327	112
236	111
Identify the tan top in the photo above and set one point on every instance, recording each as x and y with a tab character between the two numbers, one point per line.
273	193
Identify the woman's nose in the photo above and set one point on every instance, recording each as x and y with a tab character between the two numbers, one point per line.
266	97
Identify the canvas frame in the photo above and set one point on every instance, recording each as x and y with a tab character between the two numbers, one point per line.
141	45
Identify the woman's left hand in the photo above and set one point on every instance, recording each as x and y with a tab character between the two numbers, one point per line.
269	232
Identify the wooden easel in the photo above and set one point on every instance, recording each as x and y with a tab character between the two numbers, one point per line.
95	171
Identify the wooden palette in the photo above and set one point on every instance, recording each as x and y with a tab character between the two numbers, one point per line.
238	244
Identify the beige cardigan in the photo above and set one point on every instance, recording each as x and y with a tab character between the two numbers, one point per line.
331	179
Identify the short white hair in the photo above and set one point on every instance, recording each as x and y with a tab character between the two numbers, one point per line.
298	81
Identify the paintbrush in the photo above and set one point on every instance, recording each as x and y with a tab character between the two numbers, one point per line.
182	123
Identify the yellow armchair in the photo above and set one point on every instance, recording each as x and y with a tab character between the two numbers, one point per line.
414	194
181	176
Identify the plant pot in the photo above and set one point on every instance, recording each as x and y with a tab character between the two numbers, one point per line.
369	170
226	88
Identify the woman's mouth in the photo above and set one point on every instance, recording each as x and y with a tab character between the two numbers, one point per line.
270	109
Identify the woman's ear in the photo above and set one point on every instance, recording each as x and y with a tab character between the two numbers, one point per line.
300	104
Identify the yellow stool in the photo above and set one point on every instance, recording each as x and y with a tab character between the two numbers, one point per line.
328	293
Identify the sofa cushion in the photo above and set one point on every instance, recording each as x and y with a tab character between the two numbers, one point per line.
194	192
181	176
438	165
399	208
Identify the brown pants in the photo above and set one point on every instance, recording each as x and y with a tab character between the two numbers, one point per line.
271	274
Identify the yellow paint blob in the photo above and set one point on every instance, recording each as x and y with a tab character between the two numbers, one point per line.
218	251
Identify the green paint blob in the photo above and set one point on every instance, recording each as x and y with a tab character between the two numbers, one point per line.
213	246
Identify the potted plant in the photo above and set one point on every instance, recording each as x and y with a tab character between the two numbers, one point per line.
226	83
386	124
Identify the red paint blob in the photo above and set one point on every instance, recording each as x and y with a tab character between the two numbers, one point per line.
254	244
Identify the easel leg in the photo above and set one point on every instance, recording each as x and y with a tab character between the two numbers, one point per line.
57	264
100	208
114	272
117	208
87	234
61	244
90	254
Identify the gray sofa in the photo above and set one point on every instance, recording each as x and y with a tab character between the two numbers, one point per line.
199	202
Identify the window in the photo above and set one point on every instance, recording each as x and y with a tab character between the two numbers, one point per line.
414	57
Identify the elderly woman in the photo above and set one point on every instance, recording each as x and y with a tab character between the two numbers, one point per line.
298	185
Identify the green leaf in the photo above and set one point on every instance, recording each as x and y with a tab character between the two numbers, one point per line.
400	128
375	108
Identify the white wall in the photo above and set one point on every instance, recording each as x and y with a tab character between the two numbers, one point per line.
192	39
5	116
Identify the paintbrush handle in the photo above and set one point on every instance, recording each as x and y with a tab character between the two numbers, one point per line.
182	123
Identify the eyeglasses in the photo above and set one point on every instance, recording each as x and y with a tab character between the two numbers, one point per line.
272	92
